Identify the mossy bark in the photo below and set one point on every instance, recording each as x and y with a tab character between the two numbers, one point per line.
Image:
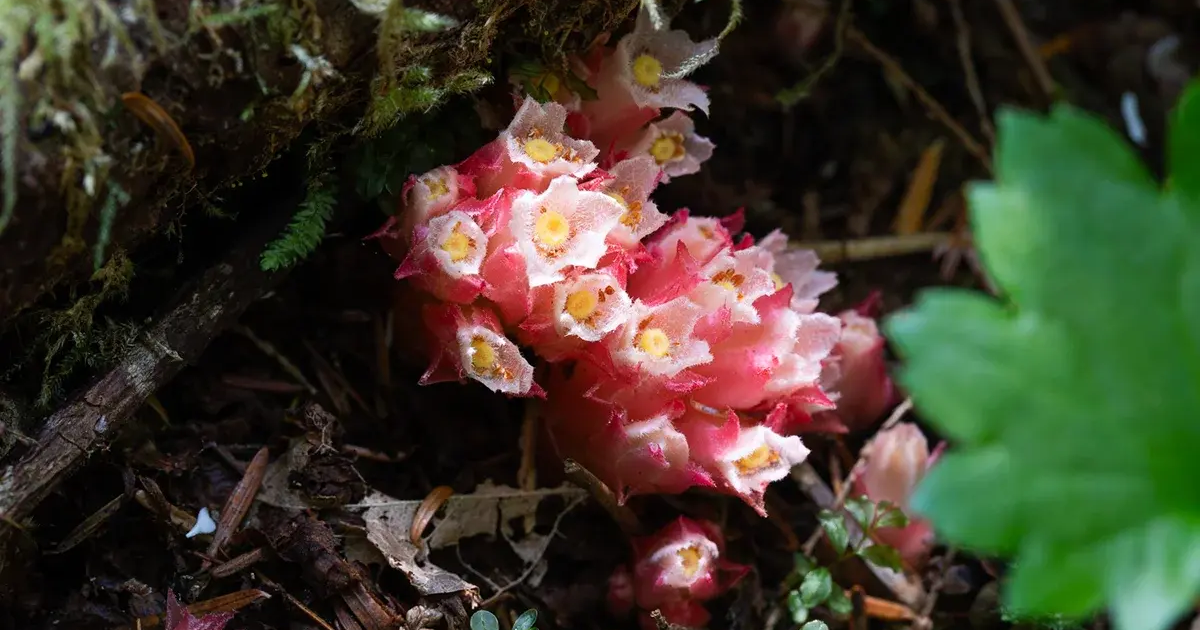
238	80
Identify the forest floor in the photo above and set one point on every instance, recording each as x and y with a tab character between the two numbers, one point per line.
893	111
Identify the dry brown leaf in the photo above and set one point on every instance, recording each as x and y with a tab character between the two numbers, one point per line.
489	510
911	217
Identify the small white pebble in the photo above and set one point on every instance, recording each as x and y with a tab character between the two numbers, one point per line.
1133	119
204	524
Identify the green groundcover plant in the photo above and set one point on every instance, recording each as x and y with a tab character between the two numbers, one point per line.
1073	400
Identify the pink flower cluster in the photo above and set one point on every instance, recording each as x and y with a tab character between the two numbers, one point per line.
678	352
674	571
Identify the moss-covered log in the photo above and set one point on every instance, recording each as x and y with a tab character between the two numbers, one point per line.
118	115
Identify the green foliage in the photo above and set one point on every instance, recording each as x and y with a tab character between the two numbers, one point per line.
307	229
383	164
868	516
402	87
526	620
542	82
1073	399
484	620
810	586
117	198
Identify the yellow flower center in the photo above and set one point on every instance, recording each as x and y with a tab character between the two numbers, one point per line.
647	71
458	245
729	279
483	355
551	229
619	198
654	342
581	304
758	459
667	147
437	187
690	557
540	150
550	83
778	280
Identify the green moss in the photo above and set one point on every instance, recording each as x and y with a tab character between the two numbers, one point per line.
71	339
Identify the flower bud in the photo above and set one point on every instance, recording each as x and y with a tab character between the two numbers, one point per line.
896	461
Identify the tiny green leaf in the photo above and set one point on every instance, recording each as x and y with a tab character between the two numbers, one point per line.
834	525
526	620
815	588
796	607
862	509
839	603
882	555
815	624
484	620
890	515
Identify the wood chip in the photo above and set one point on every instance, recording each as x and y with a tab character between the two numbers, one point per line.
239	501
911	217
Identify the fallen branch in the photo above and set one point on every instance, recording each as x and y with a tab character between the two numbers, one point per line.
88	423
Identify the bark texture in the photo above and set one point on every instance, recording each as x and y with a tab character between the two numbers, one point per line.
238	79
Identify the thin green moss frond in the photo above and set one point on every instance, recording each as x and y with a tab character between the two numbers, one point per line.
307	229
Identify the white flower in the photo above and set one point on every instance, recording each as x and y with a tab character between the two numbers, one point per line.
536	140
674	145
562	227
589	306
659	340
494	360
457	243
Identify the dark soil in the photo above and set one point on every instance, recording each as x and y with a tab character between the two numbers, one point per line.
834	166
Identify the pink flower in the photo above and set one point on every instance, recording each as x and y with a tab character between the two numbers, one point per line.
660	340
648	65
532	151
743	460
574	312
798	267
631	457
446	257
674	145
674	570
704	237
562	227
632	181
470	343
864	389
431	195
896	461
734	281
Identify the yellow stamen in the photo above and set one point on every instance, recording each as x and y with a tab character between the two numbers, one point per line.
437	187
551	229
647	71
758	459
540	150
667	147
458	245
581	304
483	355
690	556
654	342
778	280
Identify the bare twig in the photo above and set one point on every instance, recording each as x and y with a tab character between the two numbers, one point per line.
266	348
582	477
1012	19
964	56
88	423
874	247
935	588
537	558
84	530
935	108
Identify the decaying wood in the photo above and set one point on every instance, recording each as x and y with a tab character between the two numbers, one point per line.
87	424
226	85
